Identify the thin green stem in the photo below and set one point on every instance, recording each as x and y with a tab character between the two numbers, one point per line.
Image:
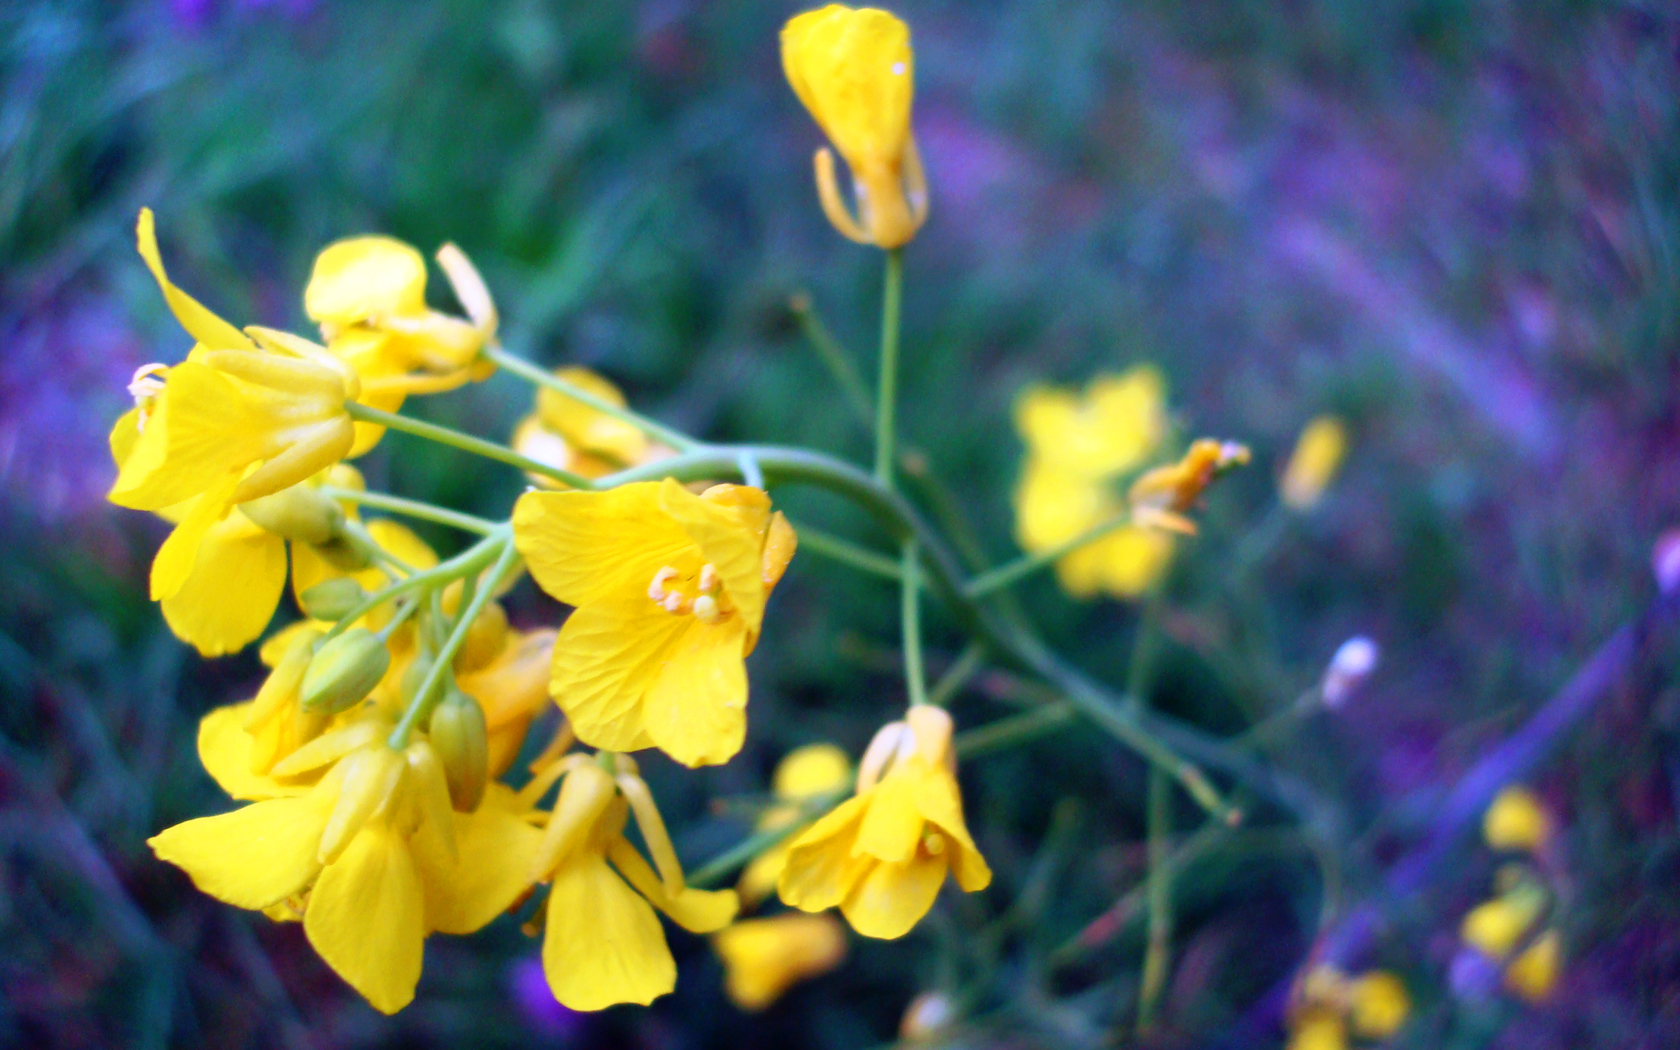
957	675
1006	733
464	442
1026	565
426	696
743	852
1157	957
411	508
469	561
828	545
532	373
910	609
886	382
833	356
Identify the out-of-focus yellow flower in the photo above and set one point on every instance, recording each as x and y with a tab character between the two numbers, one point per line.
1161	496
1078	444
1534	973
855	73
368	294
602	943
1318	1028
566	433
669	589
1378	1004
805	773
1496	926
1312	467
881	856
374	852
1516	821
762	958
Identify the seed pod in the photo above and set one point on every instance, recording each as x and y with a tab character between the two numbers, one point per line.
333	599
298	513
344	671
461	740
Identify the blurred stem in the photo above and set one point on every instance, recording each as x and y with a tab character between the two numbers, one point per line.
469	561
748	849
910	609
1008	573
828	545
411	508
464	442
1016	729
541	377
1157	957
957	675
886	389
833	356
425	697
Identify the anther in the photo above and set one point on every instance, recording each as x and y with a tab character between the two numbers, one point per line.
708	578
706	609
656	589
673	602
934	842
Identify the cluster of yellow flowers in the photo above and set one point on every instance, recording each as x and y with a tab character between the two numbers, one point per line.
1329	1006
1508	932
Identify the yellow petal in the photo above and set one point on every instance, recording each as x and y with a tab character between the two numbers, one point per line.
198	321
603	944
1054	506
366	918
892	826
1534	973
853	70
179	553
210	430
233	589
1132	559
728	524
892	898
607	658
496	853
695	910
940	802
589	429
584	547
763	957
362	277
1313	465
821	869
812	770
696	710
253	857
224	748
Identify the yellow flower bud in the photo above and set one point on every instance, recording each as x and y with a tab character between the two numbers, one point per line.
1516	821
330	600
298	513
1379	1004
1312	467
486	638
344	671
459	736
1318	1029
1534	973
854	71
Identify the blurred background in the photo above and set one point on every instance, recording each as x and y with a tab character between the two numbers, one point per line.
1453	223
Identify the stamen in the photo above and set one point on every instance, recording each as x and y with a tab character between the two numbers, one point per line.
673	602
706	609
934	842
708	578
656	589
144	388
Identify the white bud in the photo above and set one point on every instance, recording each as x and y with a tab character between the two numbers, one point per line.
1353	663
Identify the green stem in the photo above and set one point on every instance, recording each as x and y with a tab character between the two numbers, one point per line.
910	609
425	697
1158	956
1016	729
957	675
464	442
469	561
828	545
1006	574
411	508
886	388
835	358
743	852
530	372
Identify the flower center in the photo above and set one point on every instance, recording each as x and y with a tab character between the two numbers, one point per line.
144	388
700	595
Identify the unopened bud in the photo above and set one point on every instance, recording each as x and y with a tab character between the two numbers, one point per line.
344	671
486	638
414	675
298	513
462	742
926	1017
1665	561
1353	663
333	599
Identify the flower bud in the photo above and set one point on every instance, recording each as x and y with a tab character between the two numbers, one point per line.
344	671
927	1016
461	740
333	599
1353	662
486	638
298	513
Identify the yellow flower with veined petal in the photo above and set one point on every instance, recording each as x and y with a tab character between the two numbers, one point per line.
855	73
804	774
764	957
602	943
669	589
881	856
374	851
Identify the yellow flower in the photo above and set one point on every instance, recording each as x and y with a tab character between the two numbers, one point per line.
669	589
566	433
1161	496
1379	1004
602	942
1496	926
372	849
764	957
1112	427
1318	1028
806	773
854	72
1312	467
882	855
1534	973
1053	508
1516	821
368	294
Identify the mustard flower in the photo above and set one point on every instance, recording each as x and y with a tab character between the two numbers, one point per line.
566	433
762	958
602	943
804	774
882	855
854	71
669	589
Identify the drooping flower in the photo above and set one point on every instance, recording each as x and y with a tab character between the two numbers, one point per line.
602	942
564	432
1313	465
373	853
854	71
1517	821
806	773
762	958
670	590
881	856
